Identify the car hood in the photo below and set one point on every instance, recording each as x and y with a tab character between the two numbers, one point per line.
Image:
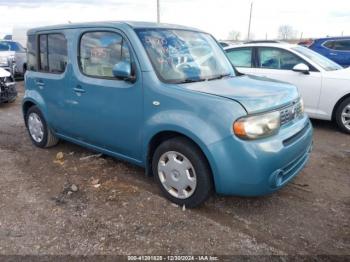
4	73
255	94
338	74
7	53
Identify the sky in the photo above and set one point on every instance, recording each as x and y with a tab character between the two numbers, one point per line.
311	18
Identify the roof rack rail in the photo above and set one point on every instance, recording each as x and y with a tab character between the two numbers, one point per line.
262	41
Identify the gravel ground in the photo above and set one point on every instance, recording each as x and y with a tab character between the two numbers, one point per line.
116	209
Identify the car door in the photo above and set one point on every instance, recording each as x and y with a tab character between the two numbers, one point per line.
52	77
107	112
278	63
242	59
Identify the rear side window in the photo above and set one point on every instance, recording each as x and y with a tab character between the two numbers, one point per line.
329	44
341	45
31	53
43	53
53	53
57	53
240	57
275	58
100	51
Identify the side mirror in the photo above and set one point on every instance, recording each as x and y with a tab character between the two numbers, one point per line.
123	71
302	68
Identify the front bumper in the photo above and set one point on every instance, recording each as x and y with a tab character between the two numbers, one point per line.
259	167
8	92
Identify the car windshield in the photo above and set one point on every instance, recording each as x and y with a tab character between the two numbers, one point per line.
4	47
11	46
181	56
320	60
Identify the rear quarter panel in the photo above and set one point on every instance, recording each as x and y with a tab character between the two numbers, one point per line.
33	96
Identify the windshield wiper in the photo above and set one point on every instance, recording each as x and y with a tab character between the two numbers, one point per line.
190	80
219	77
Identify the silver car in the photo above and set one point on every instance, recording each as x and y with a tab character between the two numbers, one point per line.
13	57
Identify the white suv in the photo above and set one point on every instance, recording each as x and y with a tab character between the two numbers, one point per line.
323	84
13	57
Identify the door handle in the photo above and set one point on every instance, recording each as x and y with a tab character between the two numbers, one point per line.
40	83
78	89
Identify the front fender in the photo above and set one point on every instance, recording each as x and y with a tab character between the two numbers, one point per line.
181	122
211	125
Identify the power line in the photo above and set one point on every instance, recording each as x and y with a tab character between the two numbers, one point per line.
158	11
250	19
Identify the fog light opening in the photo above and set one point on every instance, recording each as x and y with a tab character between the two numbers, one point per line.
279	178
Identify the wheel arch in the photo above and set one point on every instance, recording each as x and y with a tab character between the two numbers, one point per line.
164	135
338	103
25	107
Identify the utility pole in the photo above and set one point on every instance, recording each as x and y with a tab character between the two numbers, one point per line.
250	19
158	12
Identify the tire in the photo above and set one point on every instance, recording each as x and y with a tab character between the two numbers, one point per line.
187	154
342	121
48	138
12	100
24	69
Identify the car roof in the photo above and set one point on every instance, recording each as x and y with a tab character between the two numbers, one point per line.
132	24
332	38
4	40
281	44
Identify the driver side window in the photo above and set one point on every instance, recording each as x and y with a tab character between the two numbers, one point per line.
275	58
100	51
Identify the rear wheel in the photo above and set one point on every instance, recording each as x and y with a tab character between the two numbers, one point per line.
342	116
39	132
182	172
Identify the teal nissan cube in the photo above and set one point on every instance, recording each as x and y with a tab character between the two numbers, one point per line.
166	98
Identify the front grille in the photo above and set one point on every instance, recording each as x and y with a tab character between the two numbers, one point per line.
296	136
291	112
283	175
7	91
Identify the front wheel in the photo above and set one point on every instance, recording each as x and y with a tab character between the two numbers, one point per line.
342	116
38	130
182	172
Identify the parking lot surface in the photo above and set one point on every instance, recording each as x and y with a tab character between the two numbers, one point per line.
75	203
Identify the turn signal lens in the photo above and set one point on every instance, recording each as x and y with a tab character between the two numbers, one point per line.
238	128
302	108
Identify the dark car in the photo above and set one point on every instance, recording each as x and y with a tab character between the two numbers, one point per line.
334	48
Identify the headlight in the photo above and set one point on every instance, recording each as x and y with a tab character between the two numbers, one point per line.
253	127
4	61
11	60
